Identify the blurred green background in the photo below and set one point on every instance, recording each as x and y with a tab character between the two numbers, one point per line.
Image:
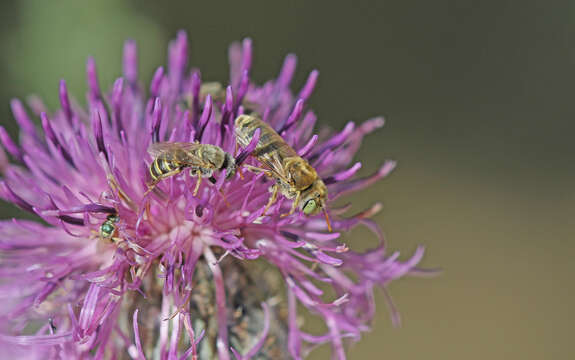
478	101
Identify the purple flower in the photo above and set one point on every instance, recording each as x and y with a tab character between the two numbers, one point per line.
68	292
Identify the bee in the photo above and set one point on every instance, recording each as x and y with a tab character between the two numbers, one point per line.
170	158
295	177
108	229
215	89
218	94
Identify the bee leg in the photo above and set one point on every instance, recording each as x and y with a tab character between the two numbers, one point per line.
293	205
197	188
163	176
121	194
115	239
151	187
258	170
239	171
148	210
272	199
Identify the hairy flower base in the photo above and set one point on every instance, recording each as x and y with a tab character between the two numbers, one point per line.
250	305
180	275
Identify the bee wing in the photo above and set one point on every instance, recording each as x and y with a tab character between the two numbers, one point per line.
274	163
182	152
161	148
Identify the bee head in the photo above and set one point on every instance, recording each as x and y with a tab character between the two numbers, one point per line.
313	198
310	207
230	166
313	201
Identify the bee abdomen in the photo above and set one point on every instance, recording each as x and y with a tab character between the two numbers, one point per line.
161	167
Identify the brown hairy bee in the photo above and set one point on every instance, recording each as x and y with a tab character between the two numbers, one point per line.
218	93
215	89
295	177
170	158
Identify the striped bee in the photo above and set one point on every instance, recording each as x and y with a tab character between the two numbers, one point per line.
295	177
170	158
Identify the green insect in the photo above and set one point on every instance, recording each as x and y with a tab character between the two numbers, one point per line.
108	227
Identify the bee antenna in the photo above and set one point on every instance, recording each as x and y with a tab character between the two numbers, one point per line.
327	220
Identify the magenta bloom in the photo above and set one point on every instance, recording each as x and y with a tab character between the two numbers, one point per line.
68	293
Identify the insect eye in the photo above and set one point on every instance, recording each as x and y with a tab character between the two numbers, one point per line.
309	207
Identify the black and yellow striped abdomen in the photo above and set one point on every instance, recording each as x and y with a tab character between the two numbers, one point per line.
161	168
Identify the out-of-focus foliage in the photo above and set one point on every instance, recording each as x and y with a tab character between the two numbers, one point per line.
52	39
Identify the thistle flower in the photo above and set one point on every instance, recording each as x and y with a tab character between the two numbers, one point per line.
179	276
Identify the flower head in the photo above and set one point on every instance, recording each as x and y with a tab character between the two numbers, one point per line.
118	266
